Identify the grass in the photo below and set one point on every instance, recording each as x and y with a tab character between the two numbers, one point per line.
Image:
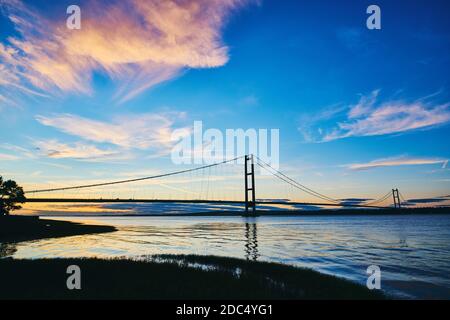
172	277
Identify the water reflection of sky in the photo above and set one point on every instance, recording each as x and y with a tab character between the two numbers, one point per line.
412	251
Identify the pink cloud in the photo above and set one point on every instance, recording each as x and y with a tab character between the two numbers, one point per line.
9	157
398	161
137	43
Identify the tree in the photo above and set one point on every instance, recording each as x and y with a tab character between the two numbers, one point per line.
10	195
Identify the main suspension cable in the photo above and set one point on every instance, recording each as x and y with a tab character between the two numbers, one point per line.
292	182
134	180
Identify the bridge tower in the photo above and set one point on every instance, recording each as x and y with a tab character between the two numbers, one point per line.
249	203
397	202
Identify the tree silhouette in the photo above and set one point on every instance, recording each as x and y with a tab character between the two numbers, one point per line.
10	195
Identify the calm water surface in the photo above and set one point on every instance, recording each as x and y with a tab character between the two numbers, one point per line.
412	251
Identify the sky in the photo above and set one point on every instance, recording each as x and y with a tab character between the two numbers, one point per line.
359	111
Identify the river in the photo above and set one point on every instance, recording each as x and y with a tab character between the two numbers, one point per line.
412	251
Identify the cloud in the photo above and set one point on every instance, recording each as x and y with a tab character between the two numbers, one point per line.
23	152
429	200
117	139
7	157
398	161
307	123
369	117
137	43
55	149
141	131
4	99
364	106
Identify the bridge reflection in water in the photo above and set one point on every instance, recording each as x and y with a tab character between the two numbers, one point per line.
7	249
251	237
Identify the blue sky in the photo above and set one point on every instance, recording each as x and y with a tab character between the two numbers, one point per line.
359	111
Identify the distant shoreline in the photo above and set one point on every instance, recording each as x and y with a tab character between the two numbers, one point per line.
290	213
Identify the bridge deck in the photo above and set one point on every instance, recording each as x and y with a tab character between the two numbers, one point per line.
80	200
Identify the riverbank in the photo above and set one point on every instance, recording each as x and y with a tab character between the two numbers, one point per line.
172	277
23	228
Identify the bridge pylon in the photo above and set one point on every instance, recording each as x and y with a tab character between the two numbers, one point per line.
396	196
250	204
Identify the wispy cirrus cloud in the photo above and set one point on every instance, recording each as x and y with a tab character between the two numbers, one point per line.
114	140
370	117
19	152
7	157
141	131
6	101
54	149
396	161
137	43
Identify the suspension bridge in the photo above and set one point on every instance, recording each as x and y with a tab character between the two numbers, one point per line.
198	184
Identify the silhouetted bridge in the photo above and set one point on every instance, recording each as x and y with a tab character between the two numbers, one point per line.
250	202
117	200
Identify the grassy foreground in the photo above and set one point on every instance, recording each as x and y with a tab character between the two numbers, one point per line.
172	277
